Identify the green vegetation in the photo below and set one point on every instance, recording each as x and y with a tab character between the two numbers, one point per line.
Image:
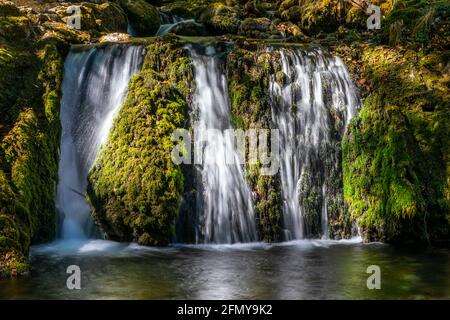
134	185
220	18
418	22
250	107
395	154
397	150
104	17
142	16
29	139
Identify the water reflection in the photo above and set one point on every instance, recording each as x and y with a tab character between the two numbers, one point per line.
295	270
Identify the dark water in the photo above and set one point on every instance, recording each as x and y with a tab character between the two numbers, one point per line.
295	270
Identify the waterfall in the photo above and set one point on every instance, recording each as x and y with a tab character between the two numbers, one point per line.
226	212
171	23
311	107
94	86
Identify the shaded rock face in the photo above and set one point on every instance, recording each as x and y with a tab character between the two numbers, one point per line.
137	199
29	137
248	74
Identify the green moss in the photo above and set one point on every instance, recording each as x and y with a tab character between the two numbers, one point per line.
29	142
9	9
418	22
60	33
310	199
142	16
221	19
312	16
187	9
258	28
395	154
12	28
134	185
12	263
250	108
103	17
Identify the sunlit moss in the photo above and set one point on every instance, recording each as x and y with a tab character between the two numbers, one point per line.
134	185
250	108
142	16
29	140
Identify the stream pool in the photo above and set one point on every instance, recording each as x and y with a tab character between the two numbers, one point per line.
306	269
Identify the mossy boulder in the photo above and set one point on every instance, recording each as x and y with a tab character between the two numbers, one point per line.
134	186
8	8
396	152
317	16
29	138
424	23
142	16
259	28
221	19
193	29
15	26
64	36
11	244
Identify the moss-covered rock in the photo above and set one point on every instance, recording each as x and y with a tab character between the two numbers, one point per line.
134	185
248	74
290	30
396	154
29	141
221	19
143	17
43	20
423	23
261	28
312	16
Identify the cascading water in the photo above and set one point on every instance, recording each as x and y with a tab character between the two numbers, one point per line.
226	212
95	84
171	22
311	107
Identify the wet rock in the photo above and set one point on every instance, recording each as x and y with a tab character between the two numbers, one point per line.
258	28
189	28
142	16
221	19
106	17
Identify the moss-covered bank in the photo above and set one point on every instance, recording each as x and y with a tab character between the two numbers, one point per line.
30	85
395	156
